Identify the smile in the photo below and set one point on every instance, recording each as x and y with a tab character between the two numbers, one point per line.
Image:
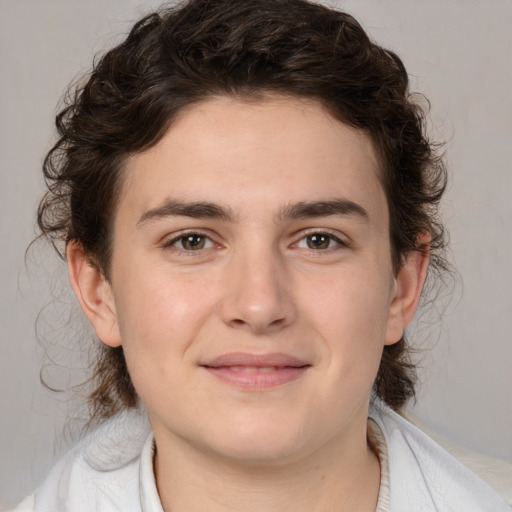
256	372
254	369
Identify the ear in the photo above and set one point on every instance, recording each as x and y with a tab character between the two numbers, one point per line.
409	282
94	294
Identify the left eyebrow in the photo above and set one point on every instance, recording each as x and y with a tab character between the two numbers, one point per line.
196	210
305	209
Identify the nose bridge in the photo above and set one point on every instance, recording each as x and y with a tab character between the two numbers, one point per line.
258	296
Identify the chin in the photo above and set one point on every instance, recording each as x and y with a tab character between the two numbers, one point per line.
260	444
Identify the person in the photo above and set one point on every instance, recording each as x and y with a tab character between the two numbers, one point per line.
247	201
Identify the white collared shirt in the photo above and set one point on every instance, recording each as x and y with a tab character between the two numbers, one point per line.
111	470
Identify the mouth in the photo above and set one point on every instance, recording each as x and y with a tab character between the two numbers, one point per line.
257	372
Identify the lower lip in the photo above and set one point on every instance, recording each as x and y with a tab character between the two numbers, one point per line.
258	380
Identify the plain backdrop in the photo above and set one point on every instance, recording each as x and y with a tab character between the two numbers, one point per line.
457	53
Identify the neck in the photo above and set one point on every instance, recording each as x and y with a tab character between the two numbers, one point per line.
340	476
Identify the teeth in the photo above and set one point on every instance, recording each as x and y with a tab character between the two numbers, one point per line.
254	369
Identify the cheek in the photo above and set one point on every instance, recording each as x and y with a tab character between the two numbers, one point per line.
154	305
158	318
350	314
352	302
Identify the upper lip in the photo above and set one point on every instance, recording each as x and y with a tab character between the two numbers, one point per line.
275	359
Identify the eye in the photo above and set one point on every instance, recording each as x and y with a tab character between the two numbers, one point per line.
319	241
191	242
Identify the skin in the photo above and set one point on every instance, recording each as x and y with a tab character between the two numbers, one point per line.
261	274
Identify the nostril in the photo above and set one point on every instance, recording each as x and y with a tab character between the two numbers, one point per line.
256	308
278	322
258	326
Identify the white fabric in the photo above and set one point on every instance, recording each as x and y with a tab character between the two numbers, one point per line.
423	477
112	470
497	473
378	444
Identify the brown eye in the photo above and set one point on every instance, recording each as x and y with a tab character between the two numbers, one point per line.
320	241
192	242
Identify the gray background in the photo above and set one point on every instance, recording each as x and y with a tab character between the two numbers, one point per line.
458	54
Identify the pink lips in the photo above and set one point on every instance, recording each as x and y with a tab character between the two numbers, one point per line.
258	372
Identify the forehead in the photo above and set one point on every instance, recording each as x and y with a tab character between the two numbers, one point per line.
247	154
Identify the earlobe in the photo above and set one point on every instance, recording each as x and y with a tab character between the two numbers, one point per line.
94	293
409	282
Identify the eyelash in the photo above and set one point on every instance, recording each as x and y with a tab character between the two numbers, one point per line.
207	240
187	235
339	243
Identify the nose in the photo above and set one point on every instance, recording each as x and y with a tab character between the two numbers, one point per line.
258	294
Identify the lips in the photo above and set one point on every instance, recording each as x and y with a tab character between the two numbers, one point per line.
254	371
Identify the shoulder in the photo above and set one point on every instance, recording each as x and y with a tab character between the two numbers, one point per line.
423	476
100	473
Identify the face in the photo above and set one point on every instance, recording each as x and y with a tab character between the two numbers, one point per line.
252	287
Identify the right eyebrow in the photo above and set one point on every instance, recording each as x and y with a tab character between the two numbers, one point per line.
338	206
197	210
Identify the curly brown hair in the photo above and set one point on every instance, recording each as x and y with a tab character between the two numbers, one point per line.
185	54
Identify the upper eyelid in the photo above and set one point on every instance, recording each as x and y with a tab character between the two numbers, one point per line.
340	241
171	238
334	233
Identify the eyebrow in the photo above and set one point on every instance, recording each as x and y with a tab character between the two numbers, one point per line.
305	209
207	210
197	210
